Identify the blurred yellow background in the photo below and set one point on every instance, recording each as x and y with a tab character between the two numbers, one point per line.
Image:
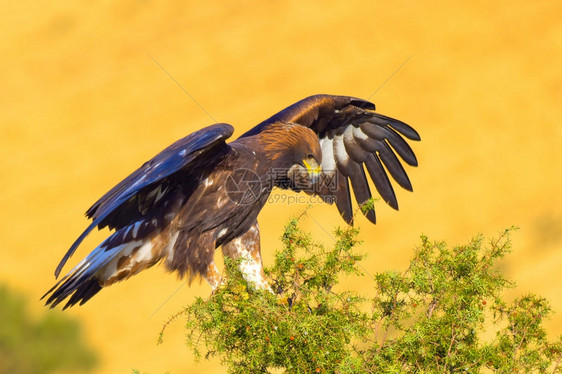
82	104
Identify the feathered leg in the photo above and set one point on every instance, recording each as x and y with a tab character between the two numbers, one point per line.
247	248
213	276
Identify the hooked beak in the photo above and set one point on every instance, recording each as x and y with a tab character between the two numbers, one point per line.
314	170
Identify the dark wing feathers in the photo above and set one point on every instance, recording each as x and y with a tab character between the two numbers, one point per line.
354	137
381	181
361	189
394	166
402	148
137	193
315	112
169	161
343	199
397	125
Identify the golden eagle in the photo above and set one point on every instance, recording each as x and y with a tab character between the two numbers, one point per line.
202	192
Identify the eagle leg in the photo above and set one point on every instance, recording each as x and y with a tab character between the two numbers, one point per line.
213	276
247	248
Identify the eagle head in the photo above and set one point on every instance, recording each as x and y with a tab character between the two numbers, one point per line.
295	151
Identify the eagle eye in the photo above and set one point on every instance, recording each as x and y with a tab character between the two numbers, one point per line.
310	155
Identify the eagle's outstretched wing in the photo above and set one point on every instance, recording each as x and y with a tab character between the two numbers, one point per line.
127	202
351	135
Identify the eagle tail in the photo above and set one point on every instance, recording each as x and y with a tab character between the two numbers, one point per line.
119	257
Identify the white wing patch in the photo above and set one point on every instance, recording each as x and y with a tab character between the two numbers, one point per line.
328	161
358	134
353	149
340	155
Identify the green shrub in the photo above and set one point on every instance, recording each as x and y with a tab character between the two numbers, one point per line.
430	318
